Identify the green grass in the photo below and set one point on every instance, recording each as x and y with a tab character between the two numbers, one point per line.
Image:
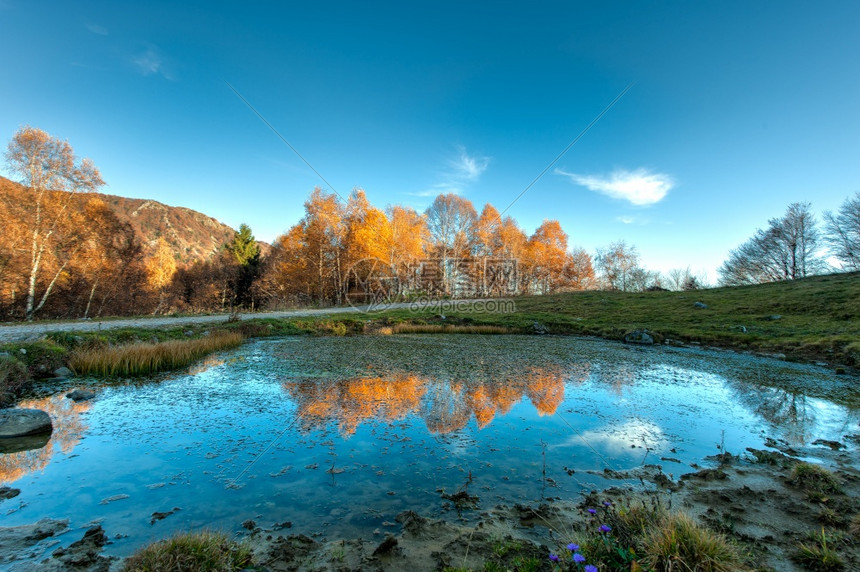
191	552
818	556
143	358
820	316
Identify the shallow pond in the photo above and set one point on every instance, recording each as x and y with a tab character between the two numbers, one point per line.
338	435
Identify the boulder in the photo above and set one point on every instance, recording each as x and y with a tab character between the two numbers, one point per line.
81	395
641	337
539	328
700	306
63	372
23	422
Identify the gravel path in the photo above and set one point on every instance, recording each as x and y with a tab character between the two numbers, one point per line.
23	331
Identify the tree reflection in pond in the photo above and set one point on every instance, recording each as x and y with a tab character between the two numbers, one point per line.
444	405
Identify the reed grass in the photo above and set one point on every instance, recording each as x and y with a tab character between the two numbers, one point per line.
448	329
191	552
146	358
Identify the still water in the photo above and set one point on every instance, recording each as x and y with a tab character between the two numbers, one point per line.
338	435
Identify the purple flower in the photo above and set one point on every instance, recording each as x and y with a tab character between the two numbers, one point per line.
592	511
607	503
578	558
553	557
590	568
605	528
573	547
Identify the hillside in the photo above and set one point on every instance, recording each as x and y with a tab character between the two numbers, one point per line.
192	235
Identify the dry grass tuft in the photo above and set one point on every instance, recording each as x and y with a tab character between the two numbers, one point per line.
447	329
679	543
147	358
191	552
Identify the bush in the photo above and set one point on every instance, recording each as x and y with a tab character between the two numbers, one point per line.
191	552
14	380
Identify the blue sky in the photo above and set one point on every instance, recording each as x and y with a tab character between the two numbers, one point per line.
736	108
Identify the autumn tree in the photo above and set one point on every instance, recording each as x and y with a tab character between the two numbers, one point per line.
842	232
49	169
160	269
324	233
786	250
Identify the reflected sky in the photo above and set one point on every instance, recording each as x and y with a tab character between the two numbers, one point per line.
338	435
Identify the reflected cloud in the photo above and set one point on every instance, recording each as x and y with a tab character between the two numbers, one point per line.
617	438
69	426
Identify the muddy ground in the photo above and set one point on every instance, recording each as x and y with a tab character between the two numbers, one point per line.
749	497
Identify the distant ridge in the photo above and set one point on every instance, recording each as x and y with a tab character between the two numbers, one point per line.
191	234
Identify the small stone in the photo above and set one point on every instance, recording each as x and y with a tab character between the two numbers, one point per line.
249	524
63	372
700	306
81	395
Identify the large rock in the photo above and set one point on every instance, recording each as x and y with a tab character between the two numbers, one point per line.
641	337
23	422
63	372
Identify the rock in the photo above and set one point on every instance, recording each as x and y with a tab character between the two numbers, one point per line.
156	516
63	372
249	524
81	395
539	329
114	498
8	493
23	422
85	552
641	337
15	540
386	547
700	306
773	317
834	445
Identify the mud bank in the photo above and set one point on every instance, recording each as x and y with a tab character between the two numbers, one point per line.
755	498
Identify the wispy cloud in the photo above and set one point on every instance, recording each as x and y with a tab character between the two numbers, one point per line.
639	187
151	62
625	219
459	174
96	29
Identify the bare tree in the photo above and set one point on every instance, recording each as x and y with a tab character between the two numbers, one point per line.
786	250
619	266
47	166
451	222
842	233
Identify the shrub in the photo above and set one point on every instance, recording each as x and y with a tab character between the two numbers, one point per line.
191	552
14	380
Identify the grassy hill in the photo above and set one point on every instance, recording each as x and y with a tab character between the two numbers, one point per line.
814	318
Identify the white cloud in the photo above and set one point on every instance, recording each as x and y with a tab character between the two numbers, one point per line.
466	168
96	29
639	187
460	173
625	219
150	62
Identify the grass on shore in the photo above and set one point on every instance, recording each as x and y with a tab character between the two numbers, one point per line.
191	552
815	318
405	328
143	358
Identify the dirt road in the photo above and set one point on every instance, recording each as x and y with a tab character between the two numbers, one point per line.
23	331
10	332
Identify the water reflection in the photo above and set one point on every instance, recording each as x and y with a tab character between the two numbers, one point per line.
69	426
444	405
